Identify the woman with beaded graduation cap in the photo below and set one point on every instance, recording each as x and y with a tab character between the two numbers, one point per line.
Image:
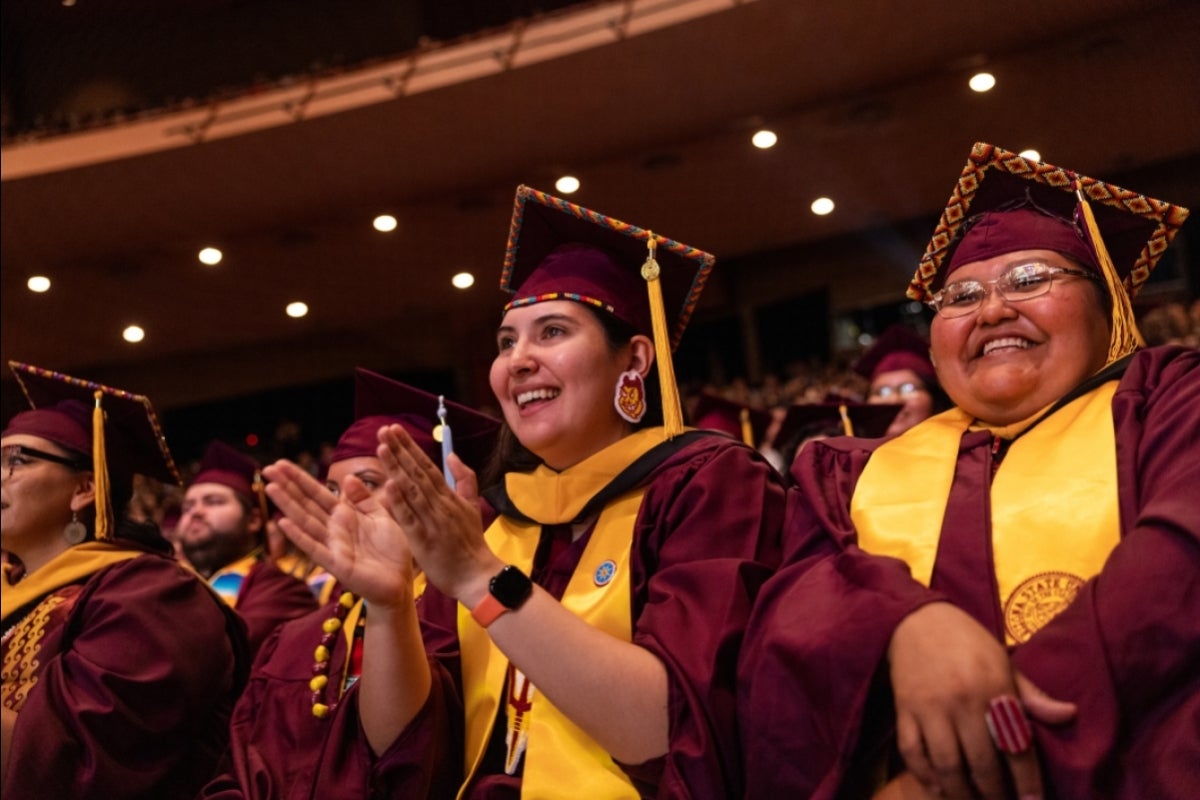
1011	594
593	627
120	666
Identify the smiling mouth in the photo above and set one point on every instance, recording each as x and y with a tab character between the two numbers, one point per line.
1007	343
533	395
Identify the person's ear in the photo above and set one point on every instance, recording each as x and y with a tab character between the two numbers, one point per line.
641	355
85	492
254	521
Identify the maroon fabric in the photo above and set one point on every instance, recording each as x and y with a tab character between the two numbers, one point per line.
278	749
135	686
1000	232
593	273
229	467
269	597
67	424
697	562
901	360
1127	650
362	437
898	347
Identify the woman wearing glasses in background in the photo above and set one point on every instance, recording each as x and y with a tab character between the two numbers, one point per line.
1010	590
899	369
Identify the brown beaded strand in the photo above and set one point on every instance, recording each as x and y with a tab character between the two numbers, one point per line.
321	656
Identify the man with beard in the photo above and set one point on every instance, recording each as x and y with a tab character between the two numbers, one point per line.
221	531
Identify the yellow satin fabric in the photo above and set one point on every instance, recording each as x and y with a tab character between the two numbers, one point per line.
1054	510
559	756
70	566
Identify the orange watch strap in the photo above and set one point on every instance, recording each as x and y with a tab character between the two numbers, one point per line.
488	610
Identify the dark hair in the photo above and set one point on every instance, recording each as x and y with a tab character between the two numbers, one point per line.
145	533
512	456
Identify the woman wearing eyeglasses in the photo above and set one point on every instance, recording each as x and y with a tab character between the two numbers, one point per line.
1010	590
899	369
120	666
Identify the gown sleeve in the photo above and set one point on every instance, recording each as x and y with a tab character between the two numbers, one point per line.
135	699
812	676
706	538
1127	649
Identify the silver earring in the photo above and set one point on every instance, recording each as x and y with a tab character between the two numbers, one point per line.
75	531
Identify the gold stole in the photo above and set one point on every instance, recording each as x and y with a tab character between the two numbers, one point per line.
1054	511
23	640
558	754
70	566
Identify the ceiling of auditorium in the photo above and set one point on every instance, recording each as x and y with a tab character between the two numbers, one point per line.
869	100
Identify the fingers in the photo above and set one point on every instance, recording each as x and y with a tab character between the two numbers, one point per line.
1041	706
912	748
467	485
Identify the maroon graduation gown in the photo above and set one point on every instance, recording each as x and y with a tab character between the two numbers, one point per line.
706	537
813	696
135	683
268	597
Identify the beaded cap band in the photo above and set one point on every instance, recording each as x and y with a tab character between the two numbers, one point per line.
525	248
44	387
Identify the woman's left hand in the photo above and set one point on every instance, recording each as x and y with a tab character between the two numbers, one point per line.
443	525
945	668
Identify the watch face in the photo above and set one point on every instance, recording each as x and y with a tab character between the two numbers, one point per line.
511	587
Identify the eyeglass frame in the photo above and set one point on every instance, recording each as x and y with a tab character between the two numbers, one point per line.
7	467
902	390
935	300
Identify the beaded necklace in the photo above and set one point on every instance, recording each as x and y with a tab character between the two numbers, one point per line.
321	656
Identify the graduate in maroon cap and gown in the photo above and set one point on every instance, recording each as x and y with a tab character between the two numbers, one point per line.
584	645
286	735
120	666
899	369
222	529
1033	552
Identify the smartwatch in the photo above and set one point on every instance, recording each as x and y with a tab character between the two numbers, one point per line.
507	591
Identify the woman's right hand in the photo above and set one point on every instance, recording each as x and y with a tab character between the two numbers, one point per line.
354	538
945	669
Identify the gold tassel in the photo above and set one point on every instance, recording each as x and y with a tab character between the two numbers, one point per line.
747	428
847	425
672	410
259	488
100	472
1125	337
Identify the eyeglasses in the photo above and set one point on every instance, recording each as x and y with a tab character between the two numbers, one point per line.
18	455
905	389
1022	282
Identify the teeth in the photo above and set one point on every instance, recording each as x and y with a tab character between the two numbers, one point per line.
1010	341
536	394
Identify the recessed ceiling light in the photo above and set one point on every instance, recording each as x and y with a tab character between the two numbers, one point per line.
210	256
822	206
1032	155
764	139
38	283
463	280
982	81
133	333
567	184
385	223
297	309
